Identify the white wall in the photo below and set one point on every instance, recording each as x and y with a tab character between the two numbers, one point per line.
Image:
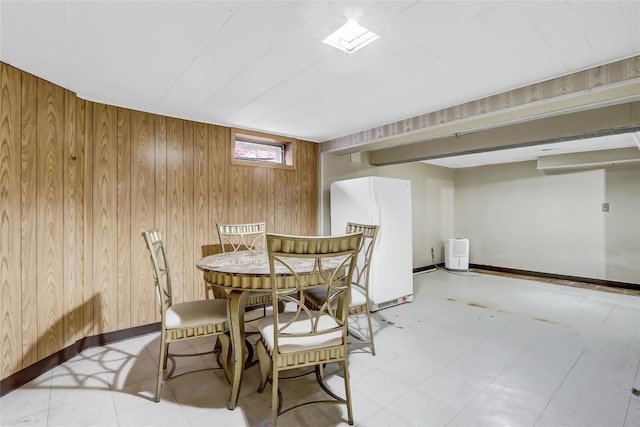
622	225
517	217
432	199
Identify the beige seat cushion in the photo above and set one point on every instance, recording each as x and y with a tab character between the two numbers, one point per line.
356	298
293	344
196	313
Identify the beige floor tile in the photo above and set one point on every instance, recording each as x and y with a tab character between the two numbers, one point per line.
472	350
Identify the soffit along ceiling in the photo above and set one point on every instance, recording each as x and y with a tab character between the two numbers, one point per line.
534	152
261	65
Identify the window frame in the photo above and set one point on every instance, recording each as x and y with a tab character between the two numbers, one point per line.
288	144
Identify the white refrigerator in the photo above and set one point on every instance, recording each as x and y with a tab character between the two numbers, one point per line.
387	203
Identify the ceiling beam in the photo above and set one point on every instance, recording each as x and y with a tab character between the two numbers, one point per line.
613	119
582	90
589	159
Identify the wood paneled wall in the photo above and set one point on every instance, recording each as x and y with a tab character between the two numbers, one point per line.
80	181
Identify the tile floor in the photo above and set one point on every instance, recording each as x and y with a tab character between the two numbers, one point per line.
472	350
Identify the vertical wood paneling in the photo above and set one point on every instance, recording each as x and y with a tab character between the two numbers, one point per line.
295	179
174	231
282	205
258	196
160	141
29	307
80	154
235	193
243	200
202	227
79	182
10	286
278	203
50	259
308	196
105	246
271	200
143	216
201	187
124	218
90	296
219	161
73	211
190	255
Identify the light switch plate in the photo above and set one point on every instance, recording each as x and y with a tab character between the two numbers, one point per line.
605	207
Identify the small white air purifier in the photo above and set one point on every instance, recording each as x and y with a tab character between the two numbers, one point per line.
456	254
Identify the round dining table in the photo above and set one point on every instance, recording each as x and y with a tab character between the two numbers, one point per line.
239	274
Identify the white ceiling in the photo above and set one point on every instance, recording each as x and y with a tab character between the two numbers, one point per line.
261	65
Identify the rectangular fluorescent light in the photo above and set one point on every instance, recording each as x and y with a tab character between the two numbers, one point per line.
350	37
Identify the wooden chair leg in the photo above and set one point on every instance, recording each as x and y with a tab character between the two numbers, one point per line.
373	347
162	364
225	346
275	401
265	365
347	388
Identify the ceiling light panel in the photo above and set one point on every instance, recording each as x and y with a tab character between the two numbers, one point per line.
351	37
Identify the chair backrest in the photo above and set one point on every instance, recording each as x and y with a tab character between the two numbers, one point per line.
365	254
241	237
310	262
161	273
214	249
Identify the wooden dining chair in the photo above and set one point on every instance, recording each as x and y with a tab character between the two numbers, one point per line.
243	237
186	320
359	304
300	337
209	289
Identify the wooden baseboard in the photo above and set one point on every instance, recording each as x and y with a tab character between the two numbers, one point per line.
600	282
27	374
427	268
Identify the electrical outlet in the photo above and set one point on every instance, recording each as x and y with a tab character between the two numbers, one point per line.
605	207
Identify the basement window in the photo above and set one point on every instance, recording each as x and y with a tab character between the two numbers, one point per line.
259	152
262	150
